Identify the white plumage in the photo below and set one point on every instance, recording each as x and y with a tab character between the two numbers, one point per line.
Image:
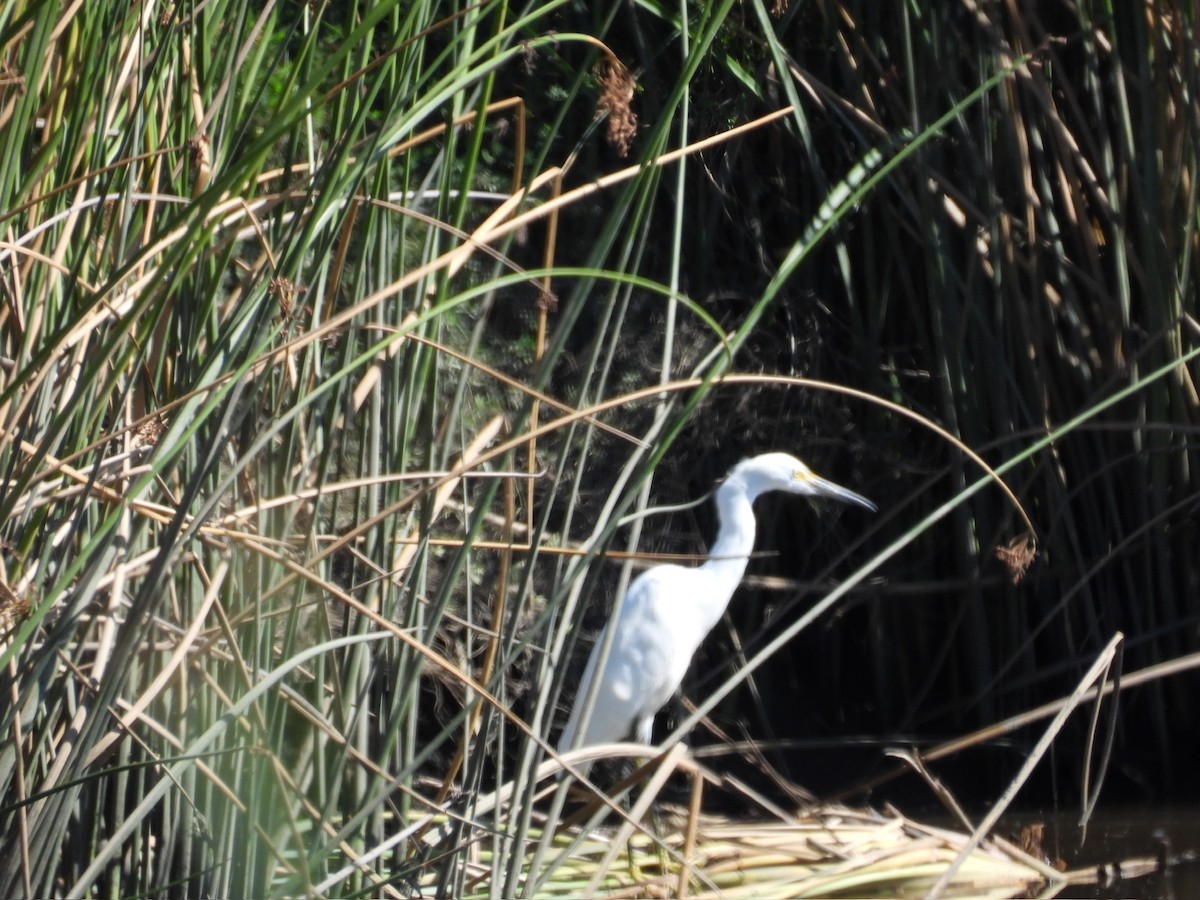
668	610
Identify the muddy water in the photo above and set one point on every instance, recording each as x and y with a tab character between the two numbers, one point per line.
1170	835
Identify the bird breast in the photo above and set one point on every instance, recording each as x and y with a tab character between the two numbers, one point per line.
661	623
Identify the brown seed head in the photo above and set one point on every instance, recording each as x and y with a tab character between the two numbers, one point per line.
1017	555
616	95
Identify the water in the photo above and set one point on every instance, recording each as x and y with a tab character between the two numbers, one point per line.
1172	836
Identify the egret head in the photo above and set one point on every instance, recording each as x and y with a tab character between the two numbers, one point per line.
783	472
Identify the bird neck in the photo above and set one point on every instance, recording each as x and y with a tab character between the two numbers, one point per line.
735	537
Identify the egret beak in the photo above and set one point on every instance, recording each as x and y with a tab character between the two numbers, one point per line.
822	488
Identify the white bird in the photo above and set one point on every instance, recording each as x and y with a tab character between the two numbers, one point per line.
669	609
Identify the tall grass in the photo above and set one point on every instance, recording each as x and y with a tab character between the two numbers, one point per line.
1035	261
337	340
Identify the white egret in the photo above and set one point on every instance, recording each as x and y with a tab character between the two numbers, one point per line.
669	609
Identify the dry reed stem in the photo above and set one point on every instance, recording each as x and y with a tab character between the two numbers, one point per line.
833	850
1103	661
1149	674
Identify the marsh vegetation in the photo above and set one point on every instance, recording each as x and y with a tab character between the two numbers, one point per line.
337	340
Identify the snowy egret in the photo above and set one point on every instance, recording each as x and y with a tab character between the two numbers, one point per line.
669	609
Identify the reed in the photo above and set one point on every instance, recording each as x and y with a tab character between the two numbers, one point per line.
338	340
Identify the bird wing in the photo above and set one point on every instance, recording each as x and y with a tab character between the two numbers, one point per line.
643	667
